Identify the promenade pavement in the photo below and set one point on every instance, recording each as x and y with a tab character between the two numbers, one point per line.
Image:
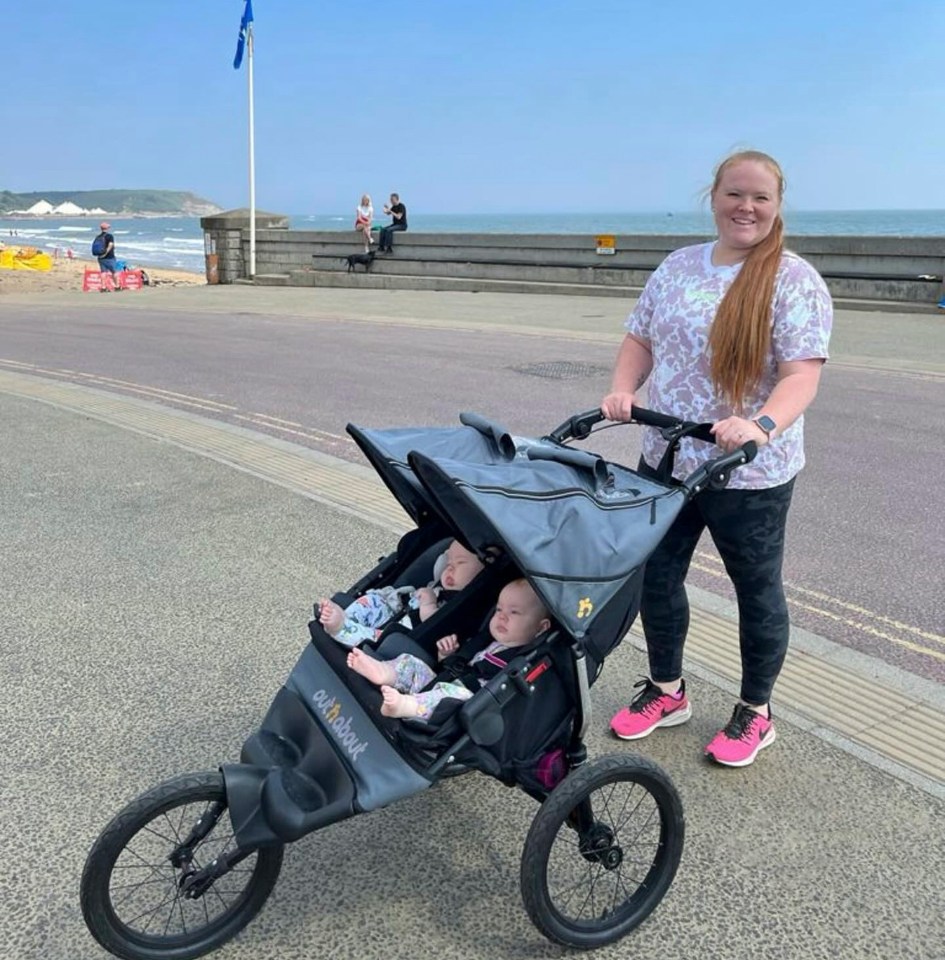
157	597
878	339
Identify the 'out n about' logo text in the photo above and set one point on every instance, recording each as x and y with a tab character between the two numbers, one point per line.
330	708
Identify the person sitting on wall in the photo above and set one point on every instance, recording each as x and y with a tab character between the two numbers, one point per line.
398	215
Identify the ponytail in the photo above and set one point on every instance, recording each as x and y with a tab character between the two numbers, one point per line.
740	337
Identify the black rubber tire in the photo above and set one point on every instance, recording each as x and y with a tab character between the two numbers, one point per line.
633	799
156	820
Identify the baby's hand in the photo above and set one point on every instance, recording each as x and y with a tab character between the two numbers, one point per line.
426	602
446	646
425	595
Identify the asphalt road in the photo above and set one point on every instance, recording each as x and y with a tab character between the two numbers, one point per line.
867	546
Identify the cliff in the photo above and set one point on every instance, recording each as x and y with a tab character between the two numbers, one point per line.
115	202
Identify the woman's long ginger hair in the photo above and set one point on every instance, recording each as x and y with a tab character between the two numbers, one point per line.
740	336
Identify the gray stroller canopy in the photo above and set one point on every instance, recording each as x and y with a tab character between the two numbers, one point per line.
577	527
477	440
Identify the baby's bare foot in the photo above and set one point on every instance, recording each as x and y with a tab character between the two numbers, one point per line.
377	671
330	616
397	704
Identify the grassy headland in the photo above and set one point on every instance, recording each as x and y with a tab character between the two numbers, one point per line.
117	202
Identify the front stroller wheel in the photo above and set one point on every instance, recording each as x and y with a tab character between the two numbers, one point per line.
602	851
142	892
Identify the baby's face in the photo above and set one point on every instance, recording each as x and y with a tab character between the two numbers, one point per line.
462	567
519	616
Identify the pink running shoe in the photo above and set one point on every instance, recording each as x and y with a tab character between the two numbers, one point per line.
744	735
651	708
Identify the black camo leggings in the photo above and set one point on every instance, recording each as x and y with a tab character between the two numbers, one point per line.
747	527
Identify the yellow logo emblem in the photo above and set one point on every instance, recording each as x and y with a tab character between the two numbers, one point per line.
585	608
332	714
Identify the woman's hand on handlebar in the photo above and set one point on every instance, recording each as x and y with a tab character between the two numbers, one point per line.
733	432
618	406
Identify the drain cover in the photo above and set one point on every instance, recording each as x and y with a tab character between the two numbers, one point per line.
563	370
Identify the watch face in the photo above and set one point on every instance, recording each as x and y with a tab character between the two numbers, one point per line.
766	424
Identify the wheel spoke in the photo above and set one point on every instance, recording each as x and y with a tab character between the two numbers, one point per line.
170	841
215	890
130	889
149	913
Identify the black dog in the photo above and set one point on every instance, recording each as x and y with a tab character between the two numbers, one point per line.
365	259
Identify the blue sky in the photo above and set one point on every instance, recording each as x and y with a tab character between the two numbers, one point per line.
488	106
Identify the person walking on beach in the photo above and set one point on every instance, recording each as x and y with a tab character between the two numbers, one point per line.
734	332
363	216
103	246
398	215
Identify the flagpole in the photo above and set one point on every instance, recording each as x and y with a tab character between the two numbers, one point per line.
252	156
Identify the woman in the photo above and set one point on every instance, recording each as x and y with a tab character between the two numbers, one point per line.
734	332
362	221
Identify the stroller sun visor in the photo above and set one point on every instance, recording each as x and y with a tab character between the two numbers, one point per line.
577	529
477	440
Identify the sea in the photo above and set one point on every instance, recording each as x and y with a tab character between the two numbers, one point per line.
178	242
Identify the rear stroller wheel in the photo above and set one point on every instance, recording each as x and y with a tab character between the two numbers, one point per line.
602	851
134	889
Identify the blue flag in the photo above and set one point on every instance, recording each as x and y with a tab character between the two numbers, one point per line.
244	27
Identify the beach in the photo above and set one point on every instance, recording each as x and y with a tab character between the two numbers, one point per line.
67	275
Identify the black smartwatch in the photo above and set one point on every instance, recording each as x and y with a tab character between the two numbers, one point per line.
766	424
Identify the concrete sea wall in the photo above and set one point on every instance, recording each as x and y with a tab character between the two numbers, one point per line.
900	270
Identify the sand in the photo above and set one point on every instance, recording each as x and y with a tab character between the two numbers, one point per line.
67	275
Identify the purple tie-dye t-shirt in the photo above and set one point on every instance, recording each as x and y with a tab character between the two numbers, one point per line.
673	316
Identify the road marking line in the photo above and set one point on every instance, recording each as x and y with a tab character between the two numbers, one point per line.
830	615
827	598
200	403
313	433
158	391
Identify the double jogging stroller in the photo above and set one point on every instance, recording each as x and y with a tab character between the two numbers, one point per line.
188	864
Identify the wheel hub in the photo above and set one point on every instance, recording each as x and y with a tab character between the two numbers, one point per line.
597	846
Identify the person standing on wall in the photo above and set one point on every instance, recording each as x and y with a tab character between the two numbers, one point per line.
103	247
398	215
733	332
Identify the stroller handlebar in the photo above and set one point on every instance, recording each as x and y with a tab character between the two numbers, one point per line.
579	426
714	473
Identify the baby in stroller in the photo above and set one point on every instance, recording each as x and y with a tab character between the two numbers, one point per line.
364	619
519	618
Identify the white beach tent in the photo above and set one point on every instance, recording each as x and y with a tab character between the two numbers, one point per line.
40	208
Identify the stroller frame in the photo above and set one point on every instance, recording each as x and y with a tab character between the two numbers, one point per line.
323	752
